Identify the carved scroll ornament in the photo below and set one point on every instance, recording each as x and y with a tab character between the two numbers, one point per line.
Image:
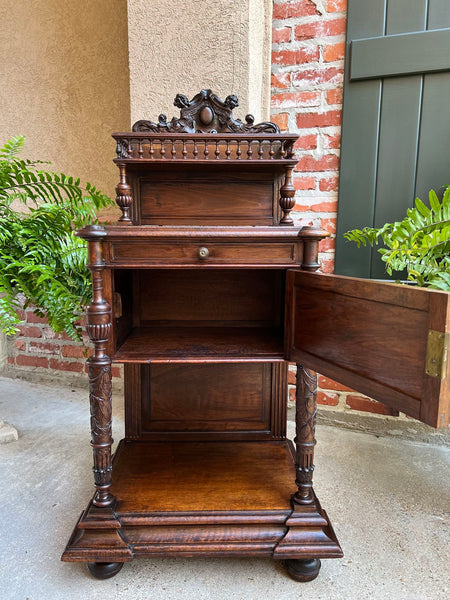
205	113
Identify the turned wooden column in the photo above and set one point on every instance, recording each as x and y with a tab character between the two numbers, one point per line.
287	200
124	198
305	422
99	365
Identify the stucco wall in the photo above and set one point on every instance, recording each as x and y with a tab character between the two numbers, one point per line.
64	82
184	46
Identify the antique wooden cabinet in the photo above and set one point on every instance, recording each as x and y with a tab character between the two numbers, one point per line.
204	290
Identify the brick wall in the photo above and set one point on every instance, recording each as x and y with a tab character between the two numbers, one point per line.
37	352
307	75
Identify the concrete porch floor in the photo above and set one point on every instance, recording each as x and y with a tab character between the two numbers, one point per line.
388	500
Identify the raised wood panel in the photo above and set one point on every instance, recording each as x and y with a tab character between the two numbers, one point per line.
215	397
216	297
372	337
206	203
207	195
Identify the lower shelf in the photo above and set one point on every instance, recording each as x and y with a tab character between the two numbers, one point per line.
202	498
202	476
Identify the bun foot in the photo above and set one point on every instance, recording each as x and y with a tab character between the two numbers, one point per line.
303	570
101	570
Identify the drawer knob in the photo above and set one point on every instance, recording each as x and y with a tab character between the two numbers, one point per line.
203	253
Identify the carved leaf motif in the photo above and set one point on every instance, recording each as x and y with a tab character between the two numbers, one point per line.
100	403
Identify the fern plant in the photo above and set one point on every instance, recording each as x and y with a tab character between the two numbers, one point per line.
39	255
420	243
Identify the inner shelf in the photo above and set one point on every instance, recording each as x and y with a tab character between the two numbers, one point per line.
165	477
208	344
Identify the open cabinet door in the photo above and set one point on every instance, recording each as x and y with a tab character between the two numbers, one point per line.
385	340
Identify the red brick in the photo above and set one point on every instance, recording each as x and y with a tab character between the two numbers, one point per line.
332	141
11	360
281	80
329	162
44	347
336	5
24	360
281	35
334	96
315	119
304	183
33	318
330	384
327	399
62	365
74	351
327	244
21	314
292	392
309	78
306	142
302	208
296	8
32	332
280	119
20	344
325	207
333	52
367	405
329	185
327	265
295	57
295	99
291	377
320	29
329	224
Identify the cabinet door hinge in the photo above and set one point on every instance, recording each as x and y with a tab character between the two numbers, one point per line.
437	352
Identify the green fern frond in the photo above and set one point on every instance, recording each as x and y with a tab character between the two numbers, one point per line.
420	243
39	254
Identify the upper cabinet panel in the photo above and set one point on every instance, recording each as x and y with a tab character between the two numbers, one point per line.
385	340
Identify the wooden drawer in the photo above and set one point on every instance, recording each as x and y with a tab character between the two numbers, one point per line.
203	253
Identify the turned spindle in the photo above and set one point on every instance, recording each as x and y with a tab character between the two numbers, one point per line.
287	200
124	198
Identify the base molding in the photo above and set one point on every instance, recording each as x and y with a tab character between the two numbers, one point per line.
104	536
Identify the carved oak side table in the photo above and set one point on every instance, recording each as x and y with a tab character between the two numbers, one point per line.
204	290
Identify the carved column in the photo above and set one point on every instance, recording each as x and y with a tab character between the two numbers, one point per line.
100	389
305	419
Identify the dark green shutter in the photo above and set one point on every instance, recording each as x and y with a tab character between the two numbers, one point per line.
396	118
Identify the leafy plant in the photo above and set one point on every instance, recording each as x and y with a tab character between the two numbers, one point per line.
39	255
420	243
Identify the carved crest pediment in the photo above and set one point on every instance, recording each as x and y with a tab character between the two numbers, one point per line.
205	113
